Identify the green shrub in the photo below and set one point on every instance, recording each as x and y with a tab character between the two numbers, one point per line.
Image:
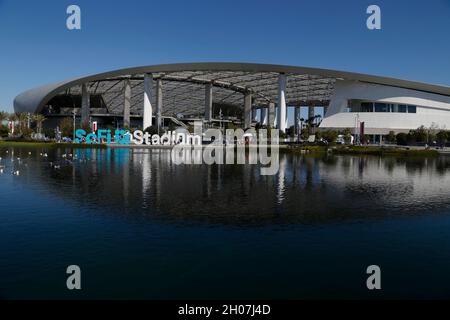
4	131
402	139
154	130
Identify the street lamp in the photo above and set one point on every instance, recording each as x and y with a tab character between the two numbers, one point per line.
357	135
74	113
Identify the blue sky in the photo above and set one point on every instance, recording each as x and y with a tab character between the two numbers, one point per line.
36	48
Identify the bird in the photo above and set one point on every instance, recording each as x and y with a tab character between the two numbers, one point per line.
16	173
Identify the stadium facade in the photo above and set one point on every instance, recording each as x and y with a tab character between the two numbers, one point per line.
242	93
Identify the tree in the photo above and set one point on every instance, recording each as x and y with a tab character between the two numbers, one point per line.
152	130
22	119
305	134
442	137
421	134
3	116
347	133
39	119
330	136
391	137
66	127
402	139
4	131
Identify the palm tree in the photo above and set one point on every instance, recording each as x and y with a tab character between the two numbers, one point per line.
39	119
22	117
3	116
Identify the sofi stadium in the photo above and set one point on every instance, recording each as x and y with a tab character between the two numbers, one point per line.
243	94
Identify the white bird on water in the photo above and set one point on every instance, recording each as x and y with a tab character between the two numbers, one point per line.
16	173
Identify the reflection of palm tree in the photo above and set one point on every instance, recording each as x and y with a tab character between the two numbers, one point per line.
39	119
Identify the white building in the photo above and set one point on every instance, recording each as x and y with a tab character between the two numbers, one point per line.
385	108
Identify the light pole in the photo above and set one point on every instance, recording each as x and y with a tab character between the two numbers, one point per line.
357	136
74	113
221	117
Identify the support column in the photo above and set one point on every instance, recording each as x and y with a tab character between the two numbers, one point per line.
271	114
297	120
325	109
263	116
126	103
148	109
247	110
310	111
85	104
282	119
159	103
208	102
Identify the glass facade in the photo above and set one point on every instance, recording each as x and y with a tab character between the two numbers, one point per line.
383	107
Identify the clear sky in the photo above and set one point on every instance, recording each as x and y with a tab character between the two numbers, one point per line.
36	47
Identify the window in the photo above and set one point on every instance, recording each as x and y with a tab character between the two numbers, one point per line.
402	108
412	109
381	107
367	107
384	107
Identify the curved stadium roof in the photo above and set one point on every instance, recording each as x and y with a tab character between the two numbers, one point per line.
183	86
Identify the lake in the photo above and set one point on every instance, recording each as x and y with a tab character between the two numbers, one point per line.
141	227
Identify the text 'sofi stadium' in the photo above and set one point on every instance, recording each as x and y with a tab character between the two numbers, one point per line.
245	94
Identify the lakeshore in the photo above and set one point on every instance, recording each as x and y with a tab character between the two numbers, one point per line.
385	150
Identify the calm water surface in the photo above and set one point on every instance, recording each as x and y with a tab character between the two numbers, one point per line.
141	227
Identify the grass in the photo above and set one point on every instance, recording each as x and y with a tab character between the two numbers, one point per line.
363	150
304	149
385	151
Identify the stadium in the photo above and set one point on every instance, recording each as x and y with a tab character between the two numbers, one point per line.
242	94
